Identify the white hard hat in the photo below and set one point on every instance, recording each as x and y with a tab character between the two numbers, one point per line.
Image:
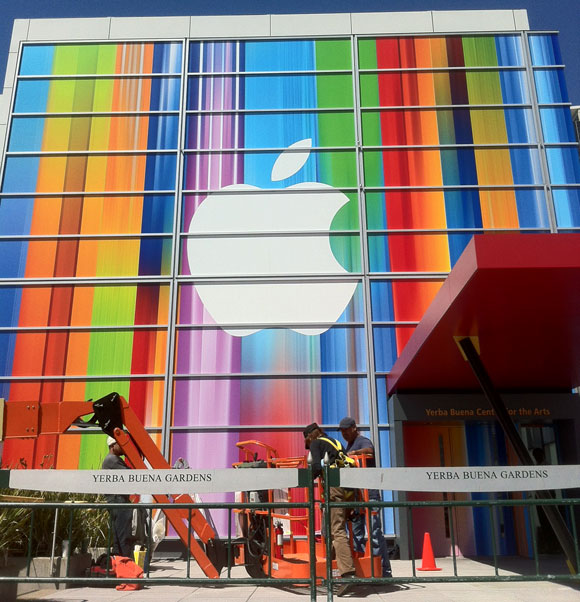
111	441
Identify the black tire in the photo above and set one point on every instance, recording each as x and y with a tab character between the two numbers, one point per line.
255	532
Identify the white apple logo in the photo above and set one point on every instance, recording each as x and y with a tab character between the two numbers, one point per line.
242	215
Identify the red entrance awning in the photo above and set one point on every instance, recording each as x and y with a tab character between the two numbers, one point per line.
520	295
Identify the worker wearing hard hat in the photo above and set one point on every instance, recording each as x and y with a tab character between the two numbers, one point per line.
359	444
122	518
320	444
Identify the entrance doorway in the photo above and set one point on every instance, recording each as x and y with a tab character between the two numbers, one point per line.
474	444
440	445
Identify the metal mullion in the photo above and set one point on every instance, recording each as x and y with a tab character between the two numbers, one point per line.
456	187
395	322
88	76
112	328
238	111
72	114
91	153
225	326
539	133
454	230
267	375
497	145
175	255
547	105
260	278
271	149
241	192
547	67
249	427
408	275
83	193
94	281
56	237
483	68
215	74
369	338
80	377
512	105
268	234
561	145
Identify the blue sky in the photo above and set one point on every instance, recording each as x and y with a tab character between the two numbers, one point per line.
559	15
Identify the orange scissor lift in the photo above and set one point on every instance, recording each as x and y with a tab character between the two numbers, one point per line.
259	549
289	557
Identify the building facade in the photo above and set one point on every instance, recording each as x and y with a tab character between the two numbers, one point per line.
237	222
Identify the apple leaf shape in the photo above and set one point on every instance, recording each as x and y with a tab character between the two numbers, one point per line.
291	160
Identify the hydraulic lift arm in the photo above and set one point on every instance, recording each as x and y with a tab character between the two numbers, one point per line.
116	418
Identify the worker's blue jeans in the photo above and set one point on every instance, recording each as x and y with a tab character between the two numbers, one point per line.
378	538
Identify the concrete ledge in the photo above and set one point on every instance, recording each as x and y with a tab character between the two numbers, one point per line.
148	27
252	26
386	23
69	29
230	26
19	32
473	20
310	25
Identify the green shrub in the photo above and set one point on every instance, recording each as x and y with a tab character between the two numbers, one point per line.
89	525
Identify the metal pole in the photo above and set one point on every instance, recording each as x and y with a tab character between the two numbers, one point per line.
327	538
311	533
509	428
52	567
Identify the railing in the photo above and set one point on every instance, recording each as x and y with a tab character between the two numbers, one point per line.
311	508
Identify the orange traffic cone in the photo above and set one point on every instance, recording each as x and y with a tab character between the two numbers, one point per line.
428	560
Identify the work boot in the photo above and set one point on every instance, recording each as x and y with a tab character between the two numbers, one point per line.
346	587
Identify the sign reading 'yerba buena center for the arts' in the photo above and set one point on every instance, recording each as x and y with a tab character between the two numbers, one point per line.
452	479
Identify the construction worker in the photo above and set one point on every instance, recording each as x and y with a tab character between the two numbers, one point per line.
122	518
320	444
359	444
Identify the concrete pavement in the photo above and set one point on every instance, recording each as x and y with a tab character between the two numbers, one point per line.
537	591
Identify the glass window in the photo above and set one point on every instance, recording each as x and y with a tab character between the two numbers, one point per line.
87	215
278	351
269	401
103	94
564	165
213	171
269	130
90	173
567	205
89	59
450	51
269	55
270	92
93	133
557	125
402	300
425	88
388	342
550	85
408	252
545	49
300	306
86	258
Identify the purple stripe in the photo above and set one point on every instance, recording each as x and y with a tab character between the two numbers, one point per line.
206	402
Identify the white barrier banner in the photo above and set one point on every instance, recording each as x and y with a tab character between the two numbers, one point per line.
129	482
468	479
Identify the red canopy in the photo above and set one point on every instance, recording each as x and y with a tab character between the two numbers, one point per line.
520	295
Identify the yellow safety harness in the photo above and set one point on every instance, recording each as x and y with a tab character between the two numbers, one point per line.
342	460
